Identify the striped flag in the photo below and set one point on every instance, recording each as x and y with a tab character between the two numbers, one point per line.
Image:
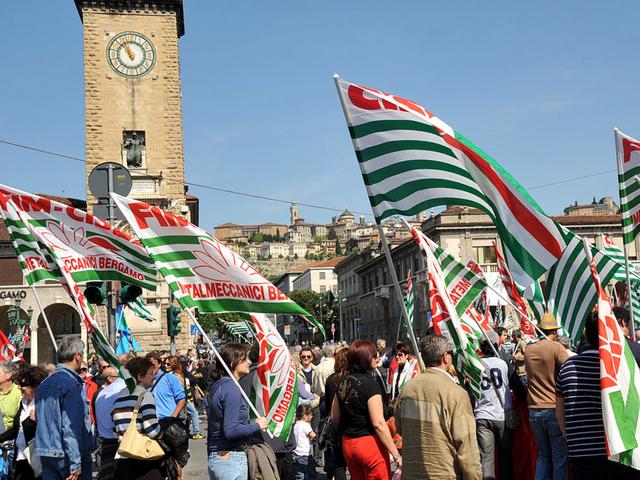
140	309
619	383
525	324
473	323
448	295
90	248
411	160
463	284
571	295
236	328
201	271
446	321
61	253
275	389
410	300
616	253
628	157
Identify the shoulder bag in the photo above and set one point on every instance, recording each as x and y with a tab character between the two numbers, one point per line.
512	418
136	445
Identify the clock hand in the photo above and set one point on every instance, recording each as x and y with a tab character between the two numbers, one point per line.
129	51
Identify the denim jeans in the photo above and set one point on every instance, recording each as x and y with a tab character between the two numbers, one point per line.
552	448
491	433
304	467
231	466
192	412
55	468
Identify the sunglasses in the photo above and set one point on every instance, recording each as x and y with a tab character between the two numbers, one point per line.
306	356
84	369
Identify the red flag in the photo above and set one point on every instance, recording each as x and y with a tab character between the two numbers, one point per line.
525	324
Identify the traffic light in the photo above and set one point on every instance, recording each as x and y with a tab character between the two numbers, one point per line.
96	292
128	293
173	321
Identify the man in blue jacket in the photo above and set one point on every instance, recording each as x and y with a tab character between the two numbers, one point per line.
63	429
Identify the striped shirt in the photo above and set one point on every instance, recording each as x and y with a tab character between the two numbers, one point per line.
147	421
579	384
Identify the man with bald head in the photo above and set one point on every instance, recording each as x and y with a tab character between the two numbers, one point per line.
103	406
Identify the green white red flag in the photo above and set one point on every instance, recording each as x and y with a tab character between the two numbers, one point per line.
90	248
60	252
411	160
410	300
571	294
201	271
446	321
616	253
275	384
619	384
445	308
628	158
463	284
521	309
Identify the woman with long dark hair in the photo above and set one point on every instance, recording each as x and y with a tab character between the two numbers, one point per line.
336	465
358	411
228	417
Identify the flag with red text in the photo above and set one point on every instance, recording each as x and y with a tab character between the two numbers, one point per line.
411	160
57	252
90	248
200	270
275	384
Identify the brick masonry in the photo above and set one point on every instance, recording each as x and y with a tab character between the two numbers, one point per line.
152	103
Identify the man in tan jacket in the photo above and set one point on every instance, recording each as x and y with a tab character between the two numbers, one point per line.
435	418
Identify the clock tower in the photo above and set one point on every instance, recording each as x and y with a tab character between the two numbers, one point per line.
133	116
133	109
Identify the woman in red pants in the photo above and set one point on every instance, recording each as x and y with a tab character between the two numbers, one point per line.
358	412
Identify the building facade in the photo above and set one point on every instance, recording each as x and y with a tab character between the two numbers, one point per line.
371	308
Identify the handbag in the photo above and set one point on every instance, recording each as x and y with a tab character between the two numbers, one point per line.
136	445
327	433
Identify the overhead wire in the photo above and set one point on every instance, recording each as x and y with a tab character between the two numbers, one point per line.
193	184
275	199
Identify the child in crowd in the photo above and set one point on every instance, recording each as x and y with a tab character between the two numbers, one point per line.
303	462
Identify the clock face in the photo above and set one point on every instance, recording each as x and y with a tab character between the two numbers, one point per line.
131	54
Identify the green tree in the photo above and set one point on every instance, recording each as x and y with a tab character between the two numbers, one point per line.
338	247
256	238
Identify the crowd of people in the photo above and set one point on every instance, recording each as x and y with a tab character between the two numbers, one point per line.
363	410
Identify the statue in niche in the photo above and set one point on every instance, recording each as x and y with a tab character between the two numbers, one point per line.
133	148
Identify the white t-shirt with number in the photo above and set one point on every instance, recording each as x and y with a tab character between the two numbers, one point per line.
301	430
488	406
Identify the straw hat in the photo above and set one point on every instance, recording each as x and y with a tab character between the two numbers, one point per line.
549	322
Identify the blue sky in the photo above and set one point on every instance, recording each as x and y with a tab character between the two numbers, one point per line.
538	85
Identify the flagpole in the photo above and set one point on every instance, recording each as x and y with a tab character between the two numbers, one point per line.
387	252
225	366
486	337
396	284
44	316
626	248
